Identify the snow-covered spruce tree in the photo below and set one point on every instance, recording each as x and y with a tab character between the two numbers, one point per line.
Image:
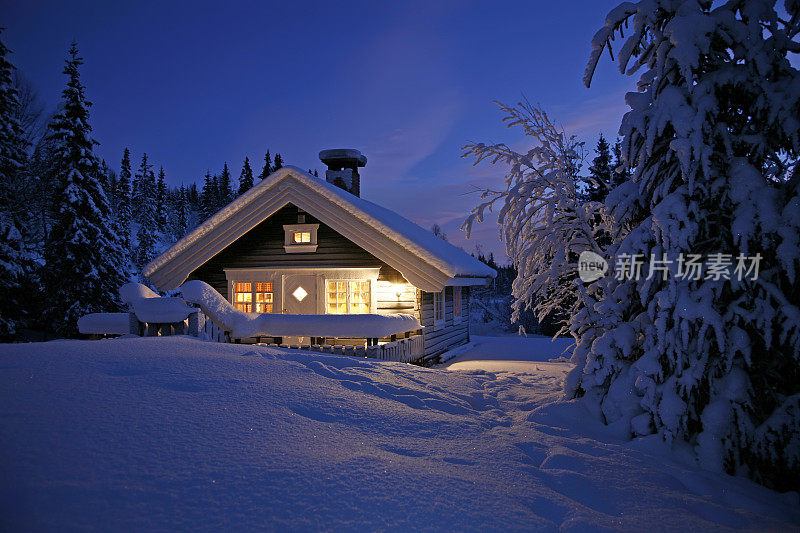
84	264
713	141
246	177
182	215
142	192
14	260
543	222
161	201
123	215
147	235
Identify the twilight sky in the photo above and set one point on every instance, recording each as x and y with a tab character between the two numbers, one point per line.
195	84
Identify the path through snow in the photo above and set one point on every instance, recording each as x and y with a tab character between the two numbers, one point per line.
173	433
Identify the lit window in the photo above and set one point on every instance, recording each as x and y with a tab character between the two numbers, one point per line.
438	307
456	304
243	297
351	297
263	295
301	237
245	294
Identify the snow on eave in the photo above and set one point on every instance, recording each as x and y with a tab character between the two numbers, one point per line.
428	248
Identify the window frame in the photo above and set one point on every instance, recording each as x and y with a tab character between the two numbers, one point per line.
291	247
348	295
457	317
253	301
439	307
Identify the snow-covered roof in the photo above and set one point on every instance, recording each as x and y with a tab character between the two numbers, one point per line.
424	259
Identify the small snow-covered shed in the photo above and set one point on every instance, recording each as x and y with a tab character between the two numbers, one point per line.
299	244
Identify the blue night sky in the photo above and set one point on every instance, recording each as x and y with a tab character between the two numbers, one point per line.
195	84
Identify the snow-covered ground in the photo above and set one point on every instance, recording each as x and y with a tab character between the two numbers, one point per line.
173	433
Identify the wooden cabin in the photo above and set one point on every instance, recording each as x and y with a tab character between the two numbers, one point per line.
300	244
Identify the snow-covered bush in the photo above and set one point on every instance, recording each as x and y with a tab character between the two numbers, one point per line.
713	140
543	221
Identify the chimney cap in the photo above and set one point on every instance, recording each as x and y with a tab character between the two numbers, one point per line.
340	157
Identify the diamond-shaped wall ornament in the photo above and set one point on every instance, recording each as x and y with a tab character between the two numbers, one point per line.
299	293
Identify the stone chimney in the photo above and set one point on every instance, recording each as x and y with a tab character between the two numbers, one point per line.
343	164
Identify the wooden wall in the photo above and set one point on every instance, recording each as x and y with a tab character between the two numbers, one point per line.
443	337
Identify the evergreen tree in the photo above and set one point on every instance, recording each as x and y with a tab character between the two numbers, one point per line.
278	162
267	170
208	197
182	213
147	235
161	202
84	260
245	178
194	197
224	190
712	141
124	215
142	192
13	264
599	182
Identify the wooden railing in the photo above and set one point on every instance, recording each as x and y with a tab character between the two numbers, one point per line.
405	350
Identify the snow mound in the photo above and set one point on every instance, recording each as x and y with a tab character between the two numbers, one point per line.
244	325
104	324
152	308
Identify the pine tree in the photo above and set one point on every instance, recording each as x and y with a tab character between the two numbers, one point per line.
224	190
146	236
84	260
267	170
161	202
142	192
124	215
182	213
245	178
208	197
14	263
599	182
712	141
278	162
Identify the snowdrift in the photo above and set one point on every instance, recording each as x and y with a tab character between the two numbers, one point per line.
243	325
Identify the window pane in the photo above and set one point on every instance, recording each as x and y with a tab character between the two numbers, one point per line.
299	237
263	287
244	297
244	287
337	297
359	297
247	308
457	302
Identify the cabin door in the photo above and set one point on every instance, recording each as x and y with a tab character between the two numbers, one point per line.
299	294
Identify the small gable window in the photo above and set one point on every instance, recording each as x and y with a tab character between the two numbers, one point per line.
300	238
